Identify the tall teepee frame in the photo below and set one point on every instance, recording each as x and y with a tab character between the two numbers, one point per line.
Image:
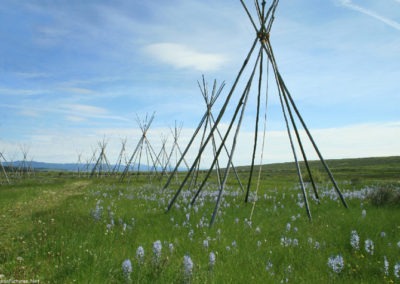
102	166
206	125
121	157
3	170
163	156
210	101
91	161
24	166
143	145
262	27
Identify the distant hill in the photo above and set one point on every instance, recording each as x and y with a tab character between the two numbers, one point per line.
43	166
372	168
386	165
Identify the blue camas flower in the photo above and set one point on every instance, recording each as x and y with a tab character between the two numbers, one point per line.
140	254
187	266
127	269
157	246
336	263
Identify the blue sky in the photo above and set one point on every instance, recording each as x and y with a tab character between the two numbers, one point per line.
75	72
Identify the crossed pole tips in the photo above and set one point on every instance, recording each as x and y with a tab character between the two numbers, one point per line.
262	24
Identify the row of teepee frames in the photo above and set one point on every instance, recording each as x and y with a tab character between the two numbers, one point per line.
161	161
155	164
10	169
265	53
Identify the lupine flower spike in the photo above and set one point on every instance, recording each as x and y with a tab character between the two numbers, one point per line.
157	246
187	266
127	269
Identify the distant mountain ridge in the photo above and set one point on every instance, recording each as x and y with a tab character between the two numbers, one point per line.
44	166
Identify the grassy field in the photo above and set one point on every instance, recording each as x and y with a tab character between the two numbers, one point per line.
58	228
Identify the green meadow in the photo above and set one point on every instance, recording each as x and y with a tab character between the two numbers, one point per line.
57	227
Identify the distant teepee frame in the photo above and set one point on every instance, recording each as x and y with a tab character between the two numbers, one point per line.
121	157
262	30
143	145
24	166
2	169
163	157
102	166
91	161
175	151
206	125
79	164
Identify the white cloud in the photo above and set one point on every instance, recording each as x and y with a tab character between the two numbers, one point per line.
73	112
368	12
362	140
75	118
86	110
182	56
21	92
82	91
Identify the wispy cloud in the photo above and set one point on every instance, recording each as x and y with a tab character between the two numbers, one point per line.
182	56
80	112
29	113
72	112
82	91
20	92
86	110
50	36
368	12
32	75
74	118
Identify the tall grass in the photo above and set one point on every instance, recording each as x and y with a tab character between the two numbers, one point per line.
66	230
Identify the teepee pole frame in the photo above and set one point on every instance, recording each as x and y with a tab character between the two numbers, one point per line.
289	110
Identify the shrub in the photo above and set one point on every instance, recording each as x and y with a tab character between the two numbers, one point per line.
384	196
318	176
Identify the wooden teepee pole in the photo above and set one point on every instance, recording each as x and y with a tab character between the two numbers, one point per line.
241	105
2	167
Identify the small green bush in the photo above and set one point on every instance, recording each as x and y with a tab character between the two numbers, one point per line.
318	176
385	196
